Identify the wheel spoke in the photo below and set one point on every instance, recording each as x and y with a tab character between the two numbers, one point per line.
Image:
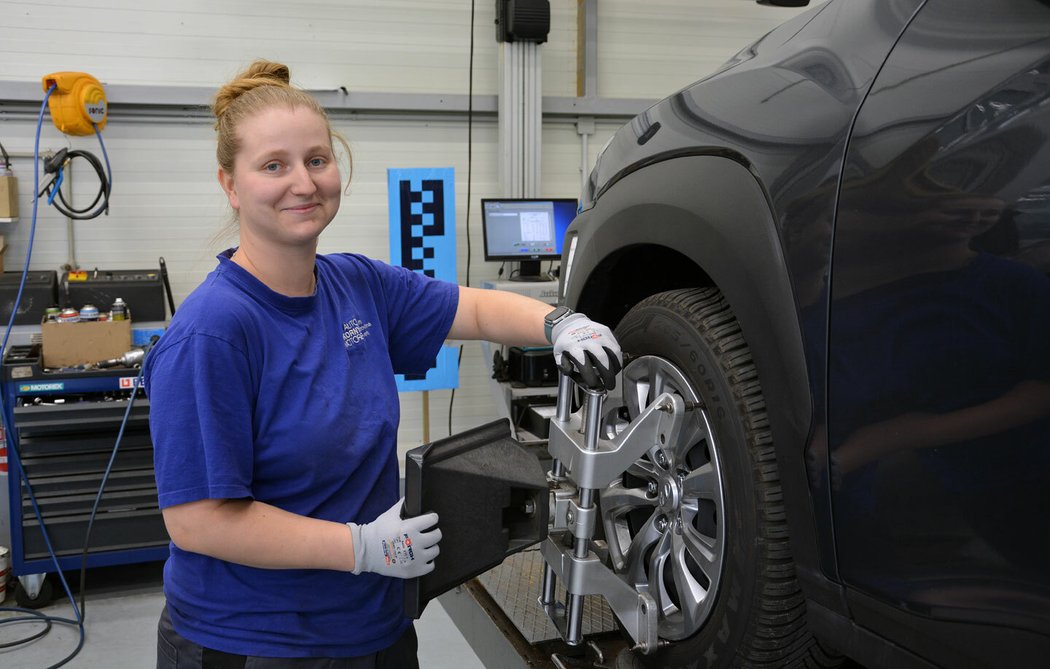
703	550
691	595
634	556
638	399
643	469
694	430
658	379
636	388
702	483
616	500
660	560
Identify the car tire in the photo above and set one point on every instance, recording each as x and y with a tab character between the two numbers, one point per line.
756	616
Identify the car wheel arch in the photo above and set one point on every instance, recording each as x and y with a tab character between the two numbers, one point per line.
710	215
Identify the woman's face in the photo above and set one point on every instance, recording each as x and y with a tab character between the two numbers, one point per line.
285	184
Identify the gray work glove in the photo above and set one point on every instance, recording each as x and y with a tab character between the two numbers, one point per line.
394	546
587	352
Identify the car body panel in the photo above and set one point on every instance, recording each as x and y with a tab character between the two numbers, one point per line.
835	130
939	372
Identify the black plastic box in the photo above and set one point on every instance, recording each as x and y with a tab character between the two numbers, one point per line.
533	366
492	500
141	289
40	292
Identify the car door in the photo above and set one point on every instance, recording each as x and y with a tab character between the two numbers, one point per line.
938	387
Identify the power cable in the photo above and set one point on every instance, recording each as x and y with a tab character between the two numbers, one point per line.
470	151
105	477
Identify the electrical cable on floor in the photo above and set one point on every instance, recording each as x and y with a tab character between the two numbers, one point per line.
105	477
7	415
470	149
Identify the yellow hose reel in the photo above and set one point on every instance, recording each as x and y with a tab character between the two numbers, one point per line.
78	103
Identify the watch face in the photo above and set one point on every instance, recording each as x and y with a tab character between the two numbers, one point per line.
557	314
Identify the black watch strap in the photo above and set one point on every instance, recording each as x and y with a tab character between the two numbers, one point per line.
553	318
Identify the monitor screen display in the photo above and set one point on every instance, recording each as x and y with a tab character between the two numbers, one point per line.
523	229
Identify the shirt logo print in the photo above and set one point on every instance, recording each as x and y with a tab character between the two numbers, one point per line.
355	332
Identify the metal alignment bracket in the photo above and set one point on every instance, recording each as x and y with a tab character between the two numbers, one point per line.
636	611
566	513
584	464
563	493
659	423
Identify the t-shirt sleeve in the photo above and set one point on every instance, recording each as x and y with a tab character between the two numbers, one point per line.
420	312
200	392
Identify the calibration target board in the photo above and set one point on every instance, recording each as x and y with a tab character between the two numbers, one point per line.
423	239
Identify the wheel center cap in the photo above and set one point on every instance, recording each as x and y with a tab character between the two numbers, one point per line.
669	494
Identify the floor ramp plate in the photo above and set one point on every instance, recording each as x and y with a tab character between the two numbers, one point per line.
515	586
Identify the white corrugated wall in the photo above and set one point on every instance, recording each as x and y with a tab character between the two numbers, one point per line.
165	198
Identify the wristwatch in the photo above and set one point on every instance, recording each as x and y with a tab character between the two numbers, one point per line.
553	318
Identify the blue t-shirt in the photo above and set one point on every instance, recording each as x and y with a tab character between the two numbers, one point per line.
290	401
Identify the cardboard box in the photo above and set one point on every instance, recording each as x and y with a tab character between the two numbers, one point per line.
69	344
8	197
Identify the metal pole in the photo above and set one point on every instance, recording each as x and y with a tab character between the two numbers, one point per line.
426	416
581	547
574	629
562	414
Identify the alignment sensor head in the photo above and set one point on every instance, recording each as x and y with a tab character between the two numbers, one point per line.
78	103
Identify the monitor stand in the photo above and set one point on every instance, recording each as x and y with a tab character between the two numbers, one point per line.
529	270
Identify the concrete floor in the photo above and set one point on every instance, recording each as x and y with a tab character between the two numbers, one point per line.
123	604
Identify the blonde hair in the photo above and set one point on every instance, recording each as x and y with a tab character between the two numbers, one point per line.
263	85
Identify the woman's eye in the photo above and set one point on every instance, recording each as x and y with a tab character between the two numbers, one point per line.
317	162
272	167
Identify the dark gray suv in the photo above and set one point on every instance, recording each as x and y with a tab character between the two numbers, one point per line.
835	249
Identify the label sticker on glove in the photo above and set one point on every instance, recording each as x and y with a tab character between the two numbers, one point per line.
584	333
398	550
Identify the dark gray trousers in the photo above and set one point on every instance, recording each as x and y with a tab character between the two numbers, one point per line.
177	652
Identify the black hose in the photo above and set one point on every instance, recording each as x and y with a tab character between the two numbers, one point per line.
167	285
62	160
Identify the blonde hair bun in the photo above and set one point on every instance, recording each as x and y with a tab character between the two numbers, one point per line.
258	74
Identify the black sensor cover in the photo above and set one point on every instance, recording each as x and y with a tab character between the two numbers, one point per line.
523	20
491	497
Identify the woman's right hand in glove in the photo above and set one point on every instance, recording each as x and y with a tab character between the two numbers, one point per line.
396	546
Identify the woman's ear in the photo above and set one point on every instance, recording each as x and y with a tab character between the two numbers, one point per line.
226	181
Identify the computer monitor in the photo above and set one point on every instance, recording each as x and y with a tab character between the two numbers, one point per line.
526	231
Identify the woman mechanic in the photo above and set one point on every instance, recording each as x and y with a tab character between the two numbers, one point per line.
275	435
